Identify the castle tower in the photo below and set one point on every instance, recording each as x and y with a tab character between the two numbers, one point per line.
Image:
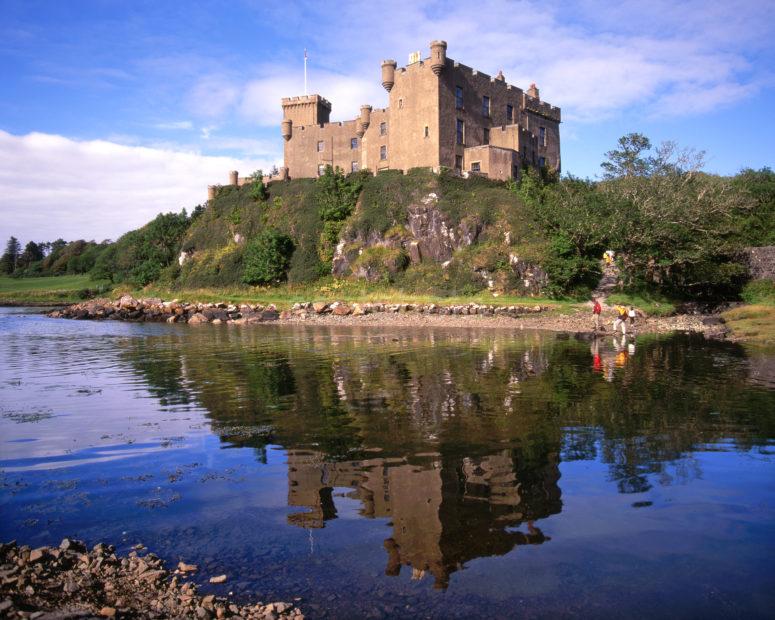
234	178
388	74
438	56
533	91
365	120
306	110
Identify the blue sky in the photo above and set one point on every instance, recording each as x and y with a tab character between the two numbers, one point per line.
112	111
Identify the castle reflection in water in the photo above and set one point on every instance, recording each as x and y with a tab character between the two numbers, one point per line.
456	439
443	512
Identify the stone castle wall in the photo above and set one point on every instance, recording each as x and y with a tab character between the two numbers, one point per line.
761	262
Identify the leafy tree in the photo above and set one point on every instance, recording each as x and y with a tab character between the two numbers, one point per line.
758	226
336	197
257	188
267	257
10	258
32	254
196	213
628	159
139	256
337	194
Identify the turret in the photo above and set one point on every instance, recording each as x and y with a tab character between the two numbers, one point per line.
233	177
438	56
365	120
389	74
533	91
286	127
212	190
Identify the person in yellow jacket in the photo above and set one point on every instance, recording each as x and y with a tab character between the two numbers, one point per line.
621	319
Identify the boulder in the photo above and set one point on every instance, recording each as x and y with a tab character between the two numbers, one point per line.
320	307
197	319
342	310
127	302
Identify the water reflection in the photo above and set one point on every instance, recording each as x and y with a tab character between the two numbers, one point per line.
443	511
450	443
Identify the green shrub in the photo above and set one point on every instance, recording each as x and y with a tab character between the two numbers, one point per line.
380	263
267	257
761	292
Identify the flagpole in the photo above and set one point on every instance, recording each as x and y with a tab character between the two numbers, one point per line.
305	71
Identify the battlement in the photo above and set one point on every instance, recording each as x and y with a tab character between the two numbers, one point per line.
287	101
542	108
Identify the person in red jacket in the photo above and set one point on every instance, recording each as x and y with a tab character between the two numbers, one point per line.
596	310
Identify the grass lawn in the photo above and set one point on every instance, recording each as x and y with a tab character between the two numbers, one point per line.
56	289
753	323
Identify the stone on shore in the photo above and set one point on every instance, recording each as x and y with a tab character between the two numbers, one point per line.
197	319
70	581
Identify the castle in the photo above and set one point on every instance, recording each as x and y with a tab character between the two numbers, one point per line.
441	114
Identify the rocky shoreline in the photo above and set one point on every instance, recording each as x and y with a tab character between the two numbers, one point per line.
128	308
71	581
470	315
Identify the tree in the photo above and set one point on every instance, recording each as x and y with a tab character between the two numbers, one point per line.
32	254
10	258
257	188
628	159
267	257
337	194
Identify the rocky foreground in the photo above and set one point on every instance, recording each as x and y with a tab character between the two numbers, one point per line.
71	581
128	308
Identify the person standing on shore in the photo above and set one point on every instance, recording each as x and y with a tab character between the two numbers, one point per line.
632	314
621	319
596	310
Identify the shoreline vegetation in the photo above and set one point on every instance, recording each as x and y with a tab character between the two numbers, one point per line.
72	581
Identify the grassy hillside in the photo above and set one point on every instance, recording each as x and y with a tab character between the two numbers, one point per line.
216	240
56	289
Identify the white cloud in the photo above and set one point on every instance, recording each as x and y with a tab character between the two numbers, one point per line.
173	125
52	186
212	96
593	59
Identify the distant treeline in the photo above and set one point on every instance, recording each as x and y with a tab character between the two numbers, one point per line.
676	231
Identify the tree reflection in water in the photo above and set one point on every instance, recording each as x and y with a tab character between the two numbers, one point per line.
456	437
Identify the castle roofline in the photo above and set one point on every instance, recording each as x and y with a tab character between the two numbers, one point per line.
306	99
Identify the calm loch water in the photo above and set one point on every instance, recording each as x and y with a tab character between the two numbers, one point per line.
402	473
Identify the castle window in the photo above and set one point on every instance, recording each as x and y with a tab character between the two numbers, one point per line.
458	97
383	129
320	146
383	152
461	132
510	113
400	104
321	169
353	143
485	106
354	167
542	136
476	166
458	162
486	136
427	133
541	162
